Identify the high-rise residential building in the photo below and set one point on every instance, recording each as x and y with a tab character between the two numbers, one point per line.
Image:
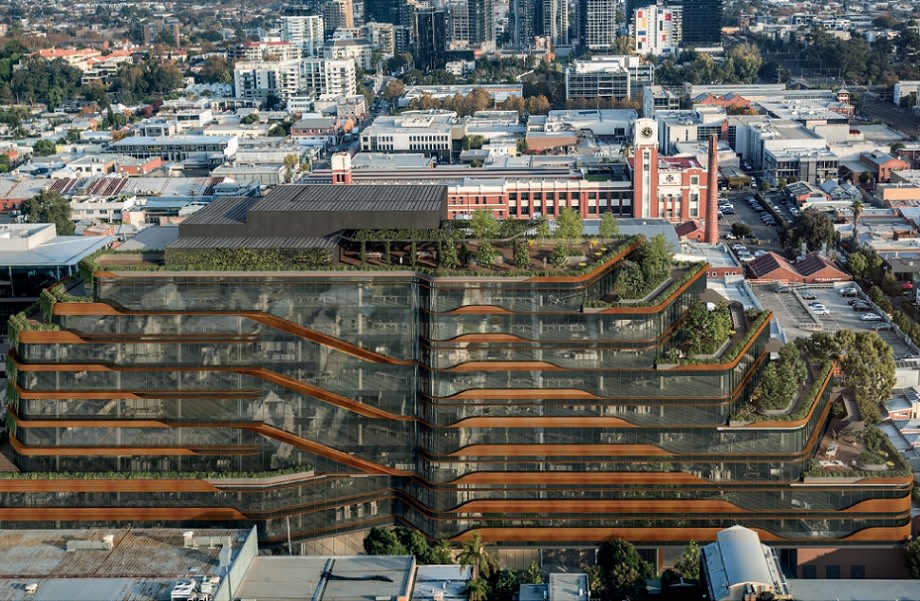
557	24
262	79
702	23
597	23
525	21
430	39
482	23
382	11
657	30
458	23
382	36
294	77
267	372
329	77
264	51
304	31
339	13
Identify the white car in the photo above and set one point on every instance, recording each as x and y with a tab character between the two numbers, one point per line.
820	311
871	317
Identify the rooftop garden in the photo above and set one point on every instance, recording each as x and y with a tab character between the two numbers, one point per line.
481	245
850	452
776	400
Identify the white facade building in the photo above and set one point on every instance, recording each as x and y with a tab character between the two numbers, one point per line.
260	79
288	78
361	51
305	32
657	29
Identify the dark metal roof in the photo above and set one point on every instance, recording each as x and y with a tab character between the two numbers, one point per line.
288	242
223	211
323	198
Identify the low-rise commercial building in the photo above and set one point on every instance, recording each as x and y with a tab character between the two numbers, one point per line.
203	150
608	78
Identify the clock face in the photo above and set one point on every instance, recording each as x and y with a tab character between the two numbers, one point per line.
646	132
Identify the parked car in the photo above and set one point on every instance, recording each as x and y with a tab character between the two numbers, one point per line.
862	307
883	327
808	295
871	317
849	292
820	311
782	289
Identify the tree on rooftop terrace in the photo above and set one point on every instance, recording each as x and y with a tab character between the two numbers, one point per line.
867	363
655	257
49	207
484	225
569	226
780	380
609	226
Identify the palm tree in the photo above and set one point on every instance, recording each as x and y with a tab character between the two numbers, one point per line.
857	208
477	589
474	553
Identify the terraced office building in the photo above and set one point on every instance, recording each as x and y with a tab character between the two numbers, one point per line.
533	407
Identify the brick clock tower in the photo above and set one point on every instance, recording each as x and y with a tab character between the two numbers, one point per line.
645	168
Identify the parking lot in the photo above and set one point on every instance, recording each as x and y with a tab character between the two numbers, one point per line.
797	318
768	236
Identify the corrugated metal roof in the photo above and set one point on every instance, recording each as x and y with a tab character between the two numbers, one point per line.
280	243
143	564
307	198
223	211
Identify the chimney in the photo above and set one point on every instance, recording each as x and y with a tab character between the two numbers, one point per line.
712	192
341	168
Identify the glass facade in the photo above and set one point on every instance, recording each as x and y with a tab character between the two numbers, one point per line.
500	404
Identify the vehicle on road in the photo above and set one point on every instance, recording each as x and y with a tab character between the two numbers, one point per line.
808	295
871	317
883	327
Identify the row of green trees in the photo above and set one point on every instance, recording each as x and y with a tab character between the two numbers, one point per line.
620	571
866	362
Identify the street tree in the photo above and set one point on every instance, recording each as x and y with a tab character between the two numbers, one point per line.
742	230
814	229
383	541
688	564
857	210
477	589
533	574
623	570
912	557
44	148
49	207
504	585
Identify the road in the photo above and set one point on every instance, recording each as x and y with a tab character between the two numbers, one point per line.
903	120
